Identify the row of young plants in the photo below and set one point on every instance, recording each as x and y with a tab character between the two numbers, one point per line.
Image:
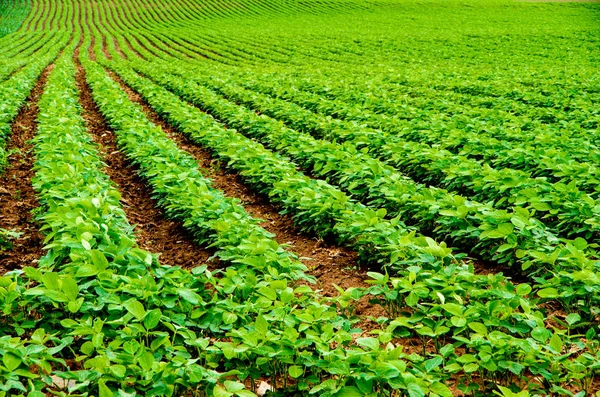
270	327
23	55
98	311
498	235
567	207
329	212
546	153
535	236
557	161
12	14
552	104
17	88
104	315
425	95
418	287
568	210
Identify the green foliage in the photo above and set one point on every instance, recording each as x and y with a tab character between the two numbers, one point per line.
418	134
12	14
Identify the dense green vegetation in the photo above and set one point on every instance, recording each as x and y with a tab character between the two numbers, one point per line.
451	145
12	14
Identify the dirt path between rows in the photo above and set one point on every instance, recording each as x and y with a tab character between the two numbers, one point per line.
17	197
153	231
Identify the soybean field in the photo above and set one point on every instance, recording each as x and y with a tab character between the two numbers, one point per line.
333	198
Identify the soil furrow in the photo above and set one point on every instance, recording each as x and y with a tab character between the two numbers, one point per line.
154	232
17	197
118	49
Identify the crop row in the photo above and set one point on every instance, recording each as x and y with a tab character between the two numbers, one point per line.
138	327
394	295
543	150
17	88
566	208
12	14
495	234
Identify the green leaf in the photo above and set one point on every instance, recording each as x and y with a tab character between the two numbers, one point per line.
556	343
11	361
573	318
479	328
103	390
433	363
580	243
134	307
548	293
189	296
412	299
349	391
440	389
229	318
146	361
118	370
70	288
152	319
368	343
75	305
523	289
261	325
98	259
453	308
86	244
245	393
414	390
233	387
86	271
218	391
295	371
471	367
540	334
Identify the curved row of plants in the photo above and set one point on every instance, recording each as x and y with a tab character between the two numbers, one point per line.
546	154
269	326
416	288
506	237
16	89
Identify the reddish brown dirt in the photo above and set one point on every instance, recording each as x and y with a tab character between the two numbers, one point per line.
118	49
105	48
17	197
329	264
154	232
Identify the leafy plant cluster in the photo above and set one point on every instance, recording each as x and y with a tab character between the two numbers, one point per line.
264	325
496	235
101	317
409	297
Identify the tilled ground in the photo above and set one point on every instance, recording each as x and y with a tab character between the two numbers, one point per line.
17	197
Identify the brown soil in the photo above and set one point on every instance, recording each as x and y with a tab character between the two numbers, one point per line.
105	48
17	197
329	264
154	232
118	49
